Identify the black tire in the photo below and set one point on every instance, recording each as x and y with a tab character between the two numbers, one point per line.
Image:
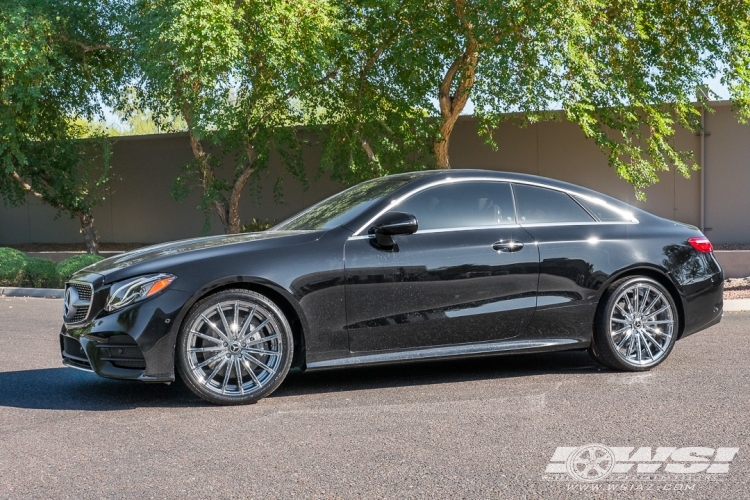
645	340
246	342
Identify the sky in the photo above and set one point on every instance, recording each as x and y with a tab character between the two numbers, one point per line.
111	119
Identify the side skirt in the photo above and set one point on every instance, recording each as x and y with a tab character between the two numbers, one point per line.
453	351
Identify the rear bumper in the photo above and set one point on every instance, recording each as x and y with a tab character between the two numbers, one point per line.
705	307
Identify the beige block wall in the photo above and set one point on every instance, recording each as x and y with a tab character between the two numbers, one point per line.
140	209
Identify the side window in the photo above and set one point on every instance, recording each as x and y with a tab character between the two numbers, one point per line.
462	204
539	205
602	211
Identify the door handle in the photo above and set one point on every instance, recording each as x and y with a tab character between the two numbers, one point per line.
507	246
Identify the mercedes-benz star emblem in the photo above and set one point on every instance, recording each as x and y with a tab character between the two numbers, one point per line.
70	303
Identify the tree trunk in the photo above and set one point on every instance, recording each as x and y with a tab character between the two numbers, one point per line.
233	225
89	234
452	104
442	160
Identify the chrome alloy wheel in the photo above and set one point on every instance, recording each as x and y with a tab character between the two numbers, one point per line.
234	348
641	325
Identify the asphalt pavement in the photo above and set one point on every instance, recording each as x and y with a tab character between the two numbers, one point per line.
482	428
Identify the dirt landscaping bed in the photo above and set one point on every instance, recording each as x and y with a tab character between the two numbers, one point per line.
737	288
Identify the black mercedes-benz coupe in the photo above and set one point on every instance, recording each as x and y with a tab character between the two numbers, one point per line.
414	266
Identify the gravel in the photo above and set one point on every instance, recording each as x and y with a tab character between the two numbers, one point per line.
737	288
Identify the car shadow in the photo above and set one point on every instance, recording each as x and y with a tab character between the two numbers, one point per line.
68	389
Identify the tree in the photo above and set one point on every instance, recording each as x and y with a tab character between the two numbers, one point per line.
234	72
625	72
57	58
375	110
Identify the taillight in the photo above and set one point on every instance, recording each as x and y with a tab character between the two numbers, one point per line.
701	244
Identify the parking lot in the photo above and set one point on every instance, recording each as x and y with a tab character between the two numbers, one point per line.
483	428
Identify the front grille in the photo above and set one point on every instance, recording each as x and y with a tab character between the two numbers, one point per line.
83	304
122	351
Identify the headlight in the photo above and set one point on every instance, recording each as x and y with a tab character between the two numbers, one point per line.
135	289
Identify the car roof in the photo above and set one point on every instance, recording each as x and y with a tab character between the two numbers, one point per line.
433	175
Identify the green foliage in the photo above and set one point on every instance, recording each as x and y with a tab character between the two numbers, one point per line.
68	267
12	263
16	269
39	273
233	72
376	109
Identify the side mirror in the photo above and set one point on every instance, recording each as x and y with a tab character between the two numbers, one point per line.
393	223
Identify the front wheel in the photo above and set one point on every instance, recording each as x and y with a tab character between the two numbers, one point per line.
235	347
637	325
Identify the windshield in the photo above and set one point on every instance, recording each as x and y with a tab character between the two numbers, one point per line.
344	206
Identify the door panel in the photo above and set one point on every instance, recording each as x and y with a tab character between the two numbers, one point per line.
440	287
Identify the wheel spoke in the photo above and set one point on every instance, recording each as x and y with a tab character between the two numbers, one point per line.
251	373
209	360
261	352
207	337
651	304
238	370
644	300
657	312
625	339
208	349
216	370
236	319
638	354
224	322
630	346
248	321
215	329
620	321
226	377
622	311
636	307
262	339
660	322
653	340
623	329
258	362
645	344
630	305
257	328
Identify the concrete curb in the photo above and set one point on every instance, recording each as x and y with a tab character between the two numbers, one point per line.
45	293
734	305
737	305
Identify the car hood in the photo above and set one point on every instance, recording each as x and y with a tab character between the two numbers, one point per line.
165	255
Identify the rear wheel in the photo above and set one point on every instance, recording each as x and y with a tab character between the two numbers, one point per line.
234	348
637	326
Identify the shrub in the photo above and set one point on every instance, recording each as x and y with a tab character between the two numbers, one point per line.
12	263
17	269
39	273
71	265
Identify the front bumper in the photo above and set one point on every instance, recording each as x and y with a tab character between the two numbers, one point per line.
135	343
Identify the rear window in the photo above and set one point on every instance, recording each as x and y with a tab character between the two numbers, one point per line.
604	212
538	205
